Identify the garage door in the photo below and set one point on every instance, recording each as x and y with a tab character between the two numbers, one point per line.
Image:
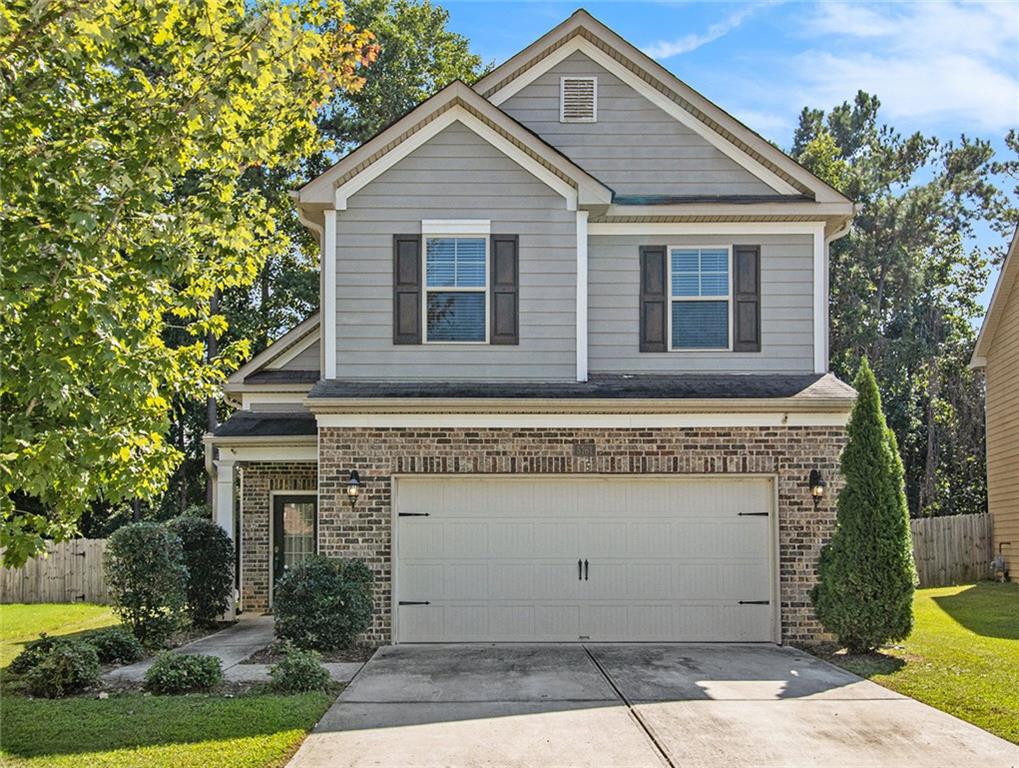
600	559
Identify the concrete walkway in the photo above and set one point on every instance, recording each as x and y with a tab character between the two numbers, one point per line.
668	706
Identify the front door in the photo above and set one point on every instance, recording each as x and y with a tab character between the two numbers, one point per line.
294	531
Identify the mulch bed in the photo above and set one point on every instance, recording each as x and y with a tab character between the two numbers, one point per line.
272	653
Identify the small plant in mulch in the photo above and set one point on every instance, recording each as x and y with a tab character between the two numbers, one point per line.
276	650
68	667
183	673
299	671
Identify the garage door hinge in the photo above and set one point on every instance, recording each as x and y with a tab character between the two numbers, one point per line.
755	602
752	514
414	602
413	514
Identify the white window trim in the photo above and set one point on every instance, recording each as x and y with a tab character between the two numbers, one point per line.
454	289
562	99
672	299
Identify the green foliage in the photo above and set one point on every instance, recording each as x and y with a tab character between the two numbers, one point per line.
69	666
32	654
115	645
905	288
144	564
299	671
865	592
209	558
183	673
126	130
322	603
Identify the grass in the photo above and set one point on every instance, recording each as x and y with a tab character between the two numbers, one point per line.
131	730
962	657
249	731
21	623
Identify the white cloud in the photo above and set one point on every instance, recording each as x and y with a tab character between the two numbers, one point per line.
928	62
665	49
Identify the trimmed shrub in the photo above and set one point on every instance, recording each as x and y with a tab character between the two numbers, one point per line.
209	558
32	654
865	593
323	604
183	673
69	666
115	645
145	569
299	672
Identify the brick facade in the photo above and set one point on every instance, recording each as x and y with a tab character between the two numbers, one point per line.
258	481
364	531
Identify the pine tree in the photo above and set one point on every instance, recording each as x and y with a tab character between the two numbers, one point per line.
867	576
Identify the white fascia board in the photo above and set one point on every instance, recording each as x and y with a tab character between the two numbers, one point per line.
455	114
705	228
295	397
791	209
1003	288
274	350
329	296
657	98
456	227
581	307
269	452
820	314
583	420
308	341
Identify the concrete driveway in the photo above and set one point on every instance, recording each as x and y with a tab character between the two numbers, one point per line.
631	705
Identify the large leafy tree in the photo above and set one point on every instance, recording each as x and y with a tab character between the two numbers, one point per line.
127	129
905	286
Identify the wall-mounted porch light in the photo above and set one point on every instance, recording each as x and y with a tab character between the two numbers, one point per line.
353	486
817	485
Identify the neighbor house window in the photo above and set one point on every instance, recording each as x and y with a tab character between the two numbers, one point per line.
456	289
699	298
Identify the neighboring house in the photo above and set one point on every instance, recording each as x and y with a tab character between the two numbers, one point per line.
573	340
997	354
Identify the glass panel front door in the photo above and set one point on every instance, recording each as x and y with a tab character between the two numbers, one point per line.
294	531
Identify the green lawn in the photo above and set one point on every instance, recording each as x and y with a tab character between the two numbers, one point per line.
20	623
250	731
963	655
256	730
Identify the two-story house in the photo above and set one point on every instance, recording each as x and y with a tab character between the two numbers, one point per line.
569	379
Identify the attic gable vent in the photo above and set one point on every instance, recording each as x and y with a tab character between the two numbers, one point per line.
578	99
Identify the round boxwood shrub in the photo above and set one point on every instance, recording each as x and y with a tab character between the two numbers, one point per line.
32	654
69	666
145	570
115	645
299	671
183	673
209	558
323	604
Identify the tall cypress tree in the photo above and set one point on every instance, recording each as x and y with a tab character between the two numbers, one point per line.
867	576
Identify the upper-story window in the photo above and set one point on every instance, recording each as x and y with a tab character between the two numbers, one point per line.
456	289
700	298
578	99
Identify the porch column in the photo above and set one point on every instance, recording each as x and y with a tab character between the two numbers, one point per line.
223	500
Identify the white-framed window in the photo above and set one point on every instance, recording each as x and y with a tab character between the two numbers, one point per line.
456	289
700	298
578	99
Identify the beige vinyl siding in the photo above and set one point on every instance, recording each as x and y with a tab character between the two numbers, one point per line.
1003	430
456	175
306	360
634	147
787	335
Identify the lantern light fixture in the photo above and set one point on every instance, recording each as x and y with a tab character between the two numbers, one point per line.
353	486
817	486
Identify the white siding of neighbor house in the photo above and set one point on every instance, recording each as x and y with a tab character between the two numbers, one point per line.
786	308
634	147
456	175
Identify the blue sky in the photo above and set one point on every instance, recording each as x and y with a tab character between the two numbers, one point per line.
943	68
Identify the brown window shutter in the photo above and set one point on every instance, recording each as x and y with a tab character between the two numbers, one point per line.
407	289
746	296
653	300
504	291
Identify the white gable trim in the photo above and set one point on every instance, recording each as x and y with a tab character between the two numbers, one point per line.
275	349
657	98
308	341
456	114
329	296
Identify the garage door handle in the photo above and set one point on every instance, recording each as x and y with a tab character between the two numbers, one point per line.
585	570
580	571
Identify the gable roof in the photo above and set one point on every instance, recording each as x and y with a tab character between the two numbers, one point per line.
303	334
1008	279
581	31
457	102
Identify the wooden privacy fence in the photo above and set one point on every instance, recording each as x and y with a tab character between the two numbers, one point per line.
954	549
72	573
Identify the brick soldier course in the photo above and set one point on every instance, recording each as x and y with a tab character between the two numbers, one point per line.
364	530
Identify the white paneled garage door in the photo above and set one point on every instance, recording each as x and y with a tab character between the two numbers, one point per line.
601	559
